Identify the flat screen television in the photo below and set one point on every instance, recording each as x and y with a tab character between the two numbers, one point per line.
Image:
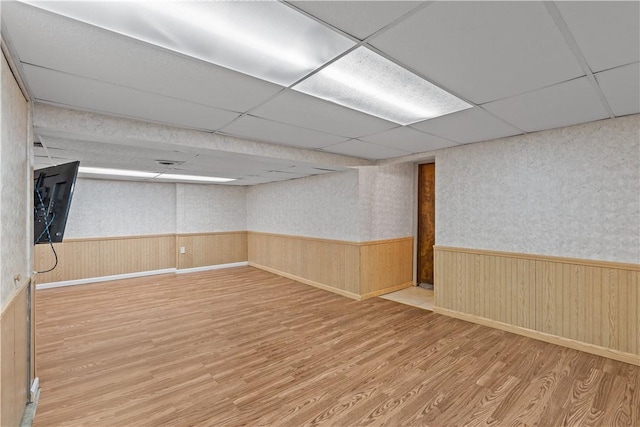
52	192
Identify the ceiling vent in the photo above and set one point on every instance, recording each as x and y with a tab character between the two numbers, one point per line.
168	162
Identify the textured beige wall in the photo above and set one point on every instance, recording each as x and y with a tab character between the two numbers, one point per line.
105	208
371	203
323	206
111	208
210	208
15	186
386	201
571	192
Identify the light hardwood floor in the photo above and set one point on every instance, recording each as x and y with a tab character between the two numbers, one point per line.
245	347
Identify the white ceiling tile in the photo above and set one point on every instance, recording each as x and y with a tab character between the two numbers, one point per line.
279	133
607	32
365	150
265	39
467	126
309	170
105	150
483	50
407	139
236	165
109	156
80	92
44	160
196	162
298	109
564	104
621	87
283	175
358	18
242	164
51	41
251	180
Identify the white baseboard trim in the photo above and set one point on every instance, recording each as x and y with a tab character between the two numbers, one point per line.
212	267
103	278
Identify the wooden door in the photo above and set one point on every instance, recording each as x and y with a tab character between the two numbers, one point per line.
426	221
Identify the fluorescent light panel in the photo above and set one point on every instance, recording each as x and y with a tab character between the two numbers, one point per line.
267	39
175	177
150	175
116	172
272	42
368	82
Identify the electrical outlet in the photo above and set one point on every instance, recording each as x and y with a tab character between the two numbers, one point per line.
183	250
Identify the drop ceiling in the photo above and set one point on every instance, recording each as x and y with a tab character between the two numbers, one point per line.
521	66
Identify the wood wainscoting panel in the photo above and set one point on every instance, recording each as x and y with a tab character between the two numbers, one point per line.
13	358
385	266
97	257
494	287
596	303
205	249
332	263
357	270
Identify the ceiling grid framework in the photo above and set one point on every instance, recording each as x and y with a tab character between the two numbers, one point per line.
573	45
521	66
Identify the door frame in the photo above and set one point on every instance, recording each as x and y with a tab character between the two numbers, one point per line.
416	177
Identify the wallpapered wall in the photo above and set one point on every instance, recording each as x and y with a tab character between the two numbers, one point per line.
104	208
386	201
210	208
109	208
323	206
572	192
15	229
372	203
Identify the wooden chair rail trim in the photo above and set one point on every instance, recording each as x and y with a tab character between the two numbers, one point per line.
96	239
563	260
384	242
150	236
212	233
21	287
217	233
630	358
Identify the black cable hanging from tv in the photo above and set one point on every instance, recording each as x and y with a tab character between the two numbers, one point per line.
47	223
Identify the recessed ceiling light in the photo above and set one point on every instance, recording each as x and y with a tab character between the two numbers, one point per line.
267	40
175	177
368	82
151	175
116	172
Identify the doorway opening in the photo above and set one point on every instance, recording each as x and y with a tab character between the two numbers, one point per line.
426	224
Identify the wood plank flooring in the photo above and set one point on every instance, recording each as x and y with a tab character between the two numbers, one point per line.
245	347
